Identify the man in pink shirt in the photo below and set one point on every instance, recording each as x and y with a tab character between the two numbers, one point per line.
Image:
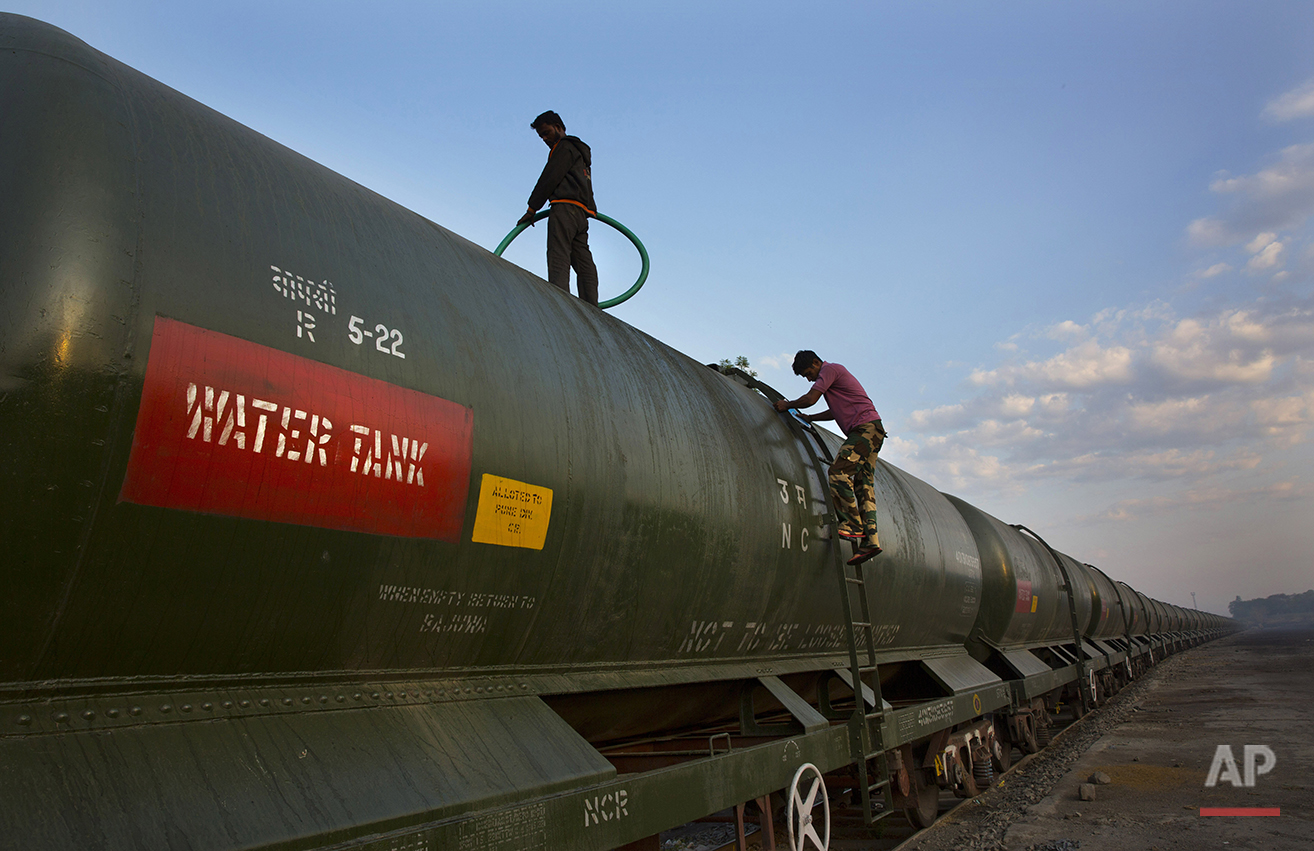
851	475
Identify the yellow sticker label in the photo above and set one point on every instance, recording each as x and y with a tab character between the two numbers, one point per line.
512	514
1034	600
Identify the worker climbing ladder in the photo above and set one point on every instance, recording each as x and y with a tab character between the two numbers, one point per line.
866	737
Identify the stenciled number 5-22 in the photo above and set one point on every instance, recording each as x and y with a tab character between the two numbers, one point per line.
387	340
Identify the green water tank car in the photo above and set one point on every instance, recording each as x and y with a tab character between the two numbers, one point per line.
323	526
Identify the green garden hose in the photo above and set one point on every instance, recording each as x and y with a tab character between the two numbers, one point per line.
643	253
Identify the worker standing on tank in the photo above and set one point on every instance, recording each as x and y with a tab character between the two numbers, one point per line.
567	184
852	475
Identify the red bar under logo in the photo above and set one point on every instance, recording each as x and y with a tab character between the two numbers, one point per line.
235	428
1240	811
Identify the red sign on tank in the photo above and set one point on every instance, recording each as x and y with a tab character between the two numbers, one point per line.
1023	596
235	428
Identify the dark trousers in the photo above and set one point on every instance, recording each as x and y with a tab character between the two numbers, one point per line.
567	246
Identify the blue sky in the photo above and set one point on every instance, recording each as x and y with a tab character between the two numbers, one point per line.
1066	247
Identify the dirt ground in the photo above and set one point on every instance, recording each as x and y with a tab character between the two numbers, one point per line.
1156	742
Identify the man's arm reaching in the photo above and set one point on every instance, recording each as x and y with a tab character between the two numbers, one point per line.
807	400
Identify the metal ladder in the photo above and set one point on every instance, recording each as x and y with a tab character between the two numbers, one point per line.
866	736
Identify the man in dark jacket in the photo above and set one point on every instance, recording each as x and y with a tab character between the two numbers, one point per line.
567	184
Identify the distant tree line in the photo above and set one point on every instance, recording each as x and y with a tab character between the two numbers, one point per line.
1277	609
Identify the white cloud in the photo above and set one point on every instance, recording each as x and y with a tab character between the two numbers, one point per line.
1067	330
1139	394
1109	321
1083	366
1267	251
1001	433
784	360
1280	197
1168	415
1209	232
1273	198
1204	497
1165	465
1149	397
1297	103
936	419
1017	405
953	465
1268	258
1290	173
1260	242
1043	408
1285	418
1055	403
1216	350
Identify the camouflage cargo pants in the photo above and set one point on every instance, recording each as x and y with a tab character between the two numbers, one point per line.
851	478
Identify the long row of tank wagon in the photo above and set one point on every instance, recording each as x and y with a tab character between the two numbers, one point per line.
324	527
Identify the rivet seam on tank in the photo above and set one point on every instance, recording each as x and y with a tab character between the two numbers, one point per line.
105	713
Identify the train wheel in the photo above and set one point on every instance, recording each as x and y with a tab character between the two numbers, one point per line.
801	814
1001	755
966	777
928	807
1029	743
